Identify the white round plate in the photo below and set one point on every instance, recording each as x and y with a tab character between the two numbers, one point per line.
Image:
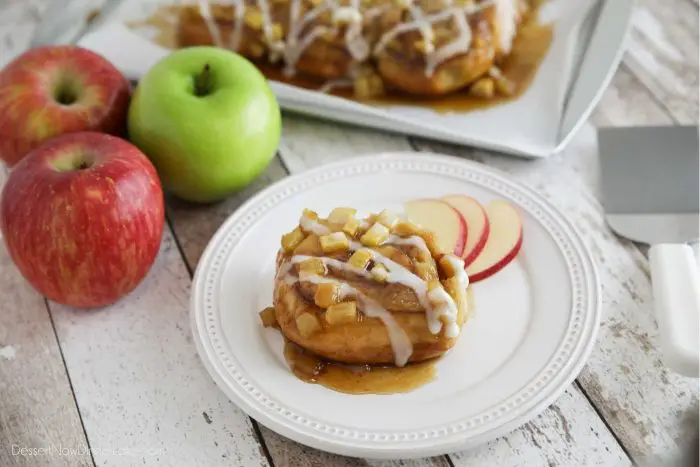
533	326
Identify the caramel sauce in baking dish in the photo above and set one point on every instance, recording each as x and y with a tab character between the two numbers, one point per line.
357	379
519	67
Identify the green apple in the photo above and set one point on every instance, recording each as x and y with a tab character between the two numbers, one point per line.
208	120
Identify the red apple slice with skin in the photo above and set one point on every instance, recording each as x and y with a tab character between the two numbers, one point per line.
503	244
441	218
477	221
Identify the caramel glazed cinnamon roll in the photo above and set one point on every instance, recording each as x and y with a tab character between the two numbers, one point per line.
367	291
422	47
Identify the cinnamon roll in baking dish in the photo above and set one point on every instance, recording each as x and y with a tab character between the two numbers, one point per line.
421	47
367	291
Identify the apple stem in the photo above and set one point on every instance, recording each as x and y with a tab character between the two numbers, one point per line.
202	83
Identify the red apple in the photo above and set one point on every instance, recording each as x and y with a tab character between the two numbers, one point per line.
503	244
82	217
441	218
50	91
477	221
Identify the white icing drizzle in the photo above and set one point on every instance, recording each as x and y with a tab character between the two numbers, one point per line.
434	57
376	11
424	27
296	45
291	48
356	43
238	16
212	27
311	225
460	274
446	307
413	240
277	47
459	45
507	18
440	308
335	83
332	263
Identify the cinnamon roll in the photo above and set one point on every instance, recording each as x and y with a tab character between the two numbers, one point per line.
377	290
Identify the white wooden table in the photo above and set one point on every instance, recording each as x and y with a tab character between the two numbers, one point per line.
125	386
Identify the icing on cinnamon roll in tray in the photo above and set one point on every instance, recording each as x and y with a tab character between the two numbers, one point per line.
418	47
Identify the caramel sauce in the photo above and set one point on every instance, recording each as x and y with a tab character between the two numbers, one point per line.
530	46
357	379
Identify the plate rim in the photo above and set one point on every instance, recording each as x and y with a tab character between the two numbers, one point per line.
390	446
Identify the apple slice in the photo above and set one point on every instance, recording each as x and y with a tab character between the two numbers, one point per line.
441	218
503	243
478	225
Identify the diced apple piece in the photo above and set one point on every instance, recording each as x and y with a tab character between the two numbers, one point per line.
387	218
313	267
341	215
341	313
451	265
351	227
310	246
307	324
380	273
405	229
433	244
292	239
360	258
327	293
309	214
308	222
426	270
503	244
477	222
396	255
268	318
442	219
376	235
335	242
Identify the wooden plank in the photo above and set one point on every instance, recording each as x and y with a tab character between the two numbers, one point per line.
651	410
287	453
569	422
18	20
144	395
38	415
663	53
194	224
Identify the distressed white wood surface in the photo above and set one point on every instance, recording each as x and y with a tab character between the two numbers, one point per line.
37	409
128	384
663	53
144	396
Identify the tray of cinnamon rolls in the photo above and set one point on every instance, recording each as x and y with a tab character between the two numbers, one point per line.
518	76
